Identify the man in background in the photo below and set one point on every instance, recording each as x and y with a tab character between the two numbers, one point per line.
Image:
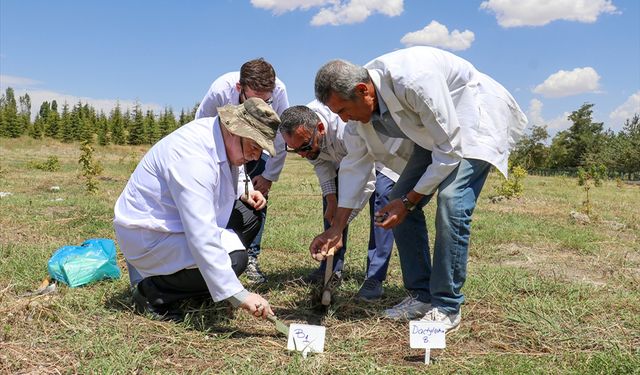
256	78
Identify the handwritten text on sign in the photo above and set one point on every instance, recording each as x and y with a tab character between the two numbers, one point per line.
426	335
306	338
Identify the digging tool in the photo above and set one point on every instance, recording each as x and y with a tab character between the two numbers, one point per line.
328	271
280	326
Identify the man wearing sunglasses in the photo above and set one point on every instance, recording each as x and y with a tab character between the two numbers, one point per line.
256	79
317	134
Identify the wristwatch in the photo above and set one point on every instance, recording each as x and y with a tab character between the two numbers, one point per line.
407	203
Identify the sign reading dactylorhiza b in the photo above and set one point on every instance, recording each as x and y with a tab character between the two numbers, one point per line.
427	335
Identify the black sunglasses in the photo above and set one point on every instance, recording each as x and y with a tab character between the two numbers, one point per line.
305	146
243	96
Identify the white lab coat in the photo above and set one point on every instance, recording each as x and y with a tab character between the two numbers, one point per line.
443	104
184	186
223	91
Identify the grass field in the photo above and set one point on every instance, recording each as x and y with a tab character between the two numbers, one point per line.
544	294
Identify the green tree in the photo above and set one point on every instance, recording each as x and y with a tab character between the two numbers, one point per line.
37	131
65	131
116	126
584	137
24	117
3	124
102	129
629	160
151	126
52	121
11	127
167	122
531	152
137	129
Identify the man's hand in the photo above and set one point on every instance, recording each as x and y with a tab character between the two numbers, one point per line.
255	199
394	213
332	206
391	215
261	184
257	306
322	243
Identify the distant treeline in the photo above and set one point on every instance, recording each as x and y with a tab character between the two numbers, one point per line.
584	144
83	123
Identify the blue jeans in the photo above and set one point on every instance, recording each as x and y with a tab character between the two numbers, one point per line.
254	248
439	283
380	240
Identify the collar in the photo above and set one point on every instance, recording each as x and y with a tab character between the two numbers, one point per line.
218	140
389	102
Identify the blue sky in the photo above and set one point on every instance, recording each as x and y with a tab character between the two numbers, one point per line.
552	55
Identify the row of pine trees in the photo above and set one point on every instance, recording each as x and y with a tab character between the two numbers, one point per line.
584	144
83	123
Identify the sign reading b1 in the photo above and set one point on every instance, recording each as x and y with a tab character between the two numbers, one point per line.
427	335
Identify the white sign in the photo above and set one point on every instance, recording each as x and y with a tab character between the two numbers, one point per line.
426	335
306	338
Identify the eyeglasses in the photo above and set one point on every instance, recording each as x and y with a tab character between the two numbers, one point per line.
304	147
243	96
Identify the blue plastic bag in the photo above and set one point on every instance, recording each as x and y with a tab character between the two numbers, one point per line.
94	260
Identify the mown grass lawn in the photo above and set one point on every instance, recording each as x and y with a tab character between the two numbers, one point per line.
544	293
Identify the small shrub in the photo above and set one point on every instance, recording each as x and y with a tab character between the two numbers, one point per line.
588	178
513	187
90	167
52	164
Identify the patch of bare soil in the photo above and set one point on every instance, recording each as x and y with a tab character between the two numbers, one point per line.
599	270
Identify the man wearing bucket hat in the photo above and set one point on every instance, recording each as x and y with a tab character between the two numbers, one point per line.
256	78
185	219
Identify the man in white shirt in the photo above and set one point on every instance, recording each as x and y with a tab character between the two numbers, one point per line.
256	78
317	134
461	121
185	218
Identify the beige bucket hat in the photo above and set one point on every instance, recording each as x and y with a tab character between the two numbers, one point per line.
253	119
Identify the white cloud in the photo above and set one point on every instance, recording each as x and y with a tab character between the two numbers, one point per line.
514	13
13	81
626	110
534	114
282	6
437	35
23	85
334	12
564	83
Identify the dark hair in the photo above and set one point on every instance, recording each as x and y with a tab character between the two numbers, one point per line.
258	74
294	117
340	77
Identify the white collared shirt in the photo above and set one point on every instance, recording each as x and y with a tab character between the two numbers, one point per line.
223	91
442	103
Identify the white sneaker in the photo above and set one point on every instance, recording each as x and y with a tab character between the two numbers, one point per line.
451	321
410	308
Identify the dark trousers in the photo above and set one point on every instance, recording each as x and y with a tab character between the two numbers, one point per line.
189	283
256	168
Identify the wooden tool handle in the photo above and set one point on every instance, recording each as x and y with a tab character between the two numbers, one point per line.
328	271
